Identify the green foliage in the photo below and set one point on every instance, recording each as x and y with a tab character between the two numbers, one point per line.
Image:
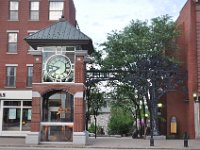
140	39
147	52
124	95
120	122
96	100
92	129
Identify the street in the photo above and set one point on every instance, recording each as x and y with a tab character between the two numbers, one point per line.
48	148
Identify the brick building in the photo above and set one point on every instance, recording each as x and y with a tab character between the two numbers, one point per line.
183	105
42	71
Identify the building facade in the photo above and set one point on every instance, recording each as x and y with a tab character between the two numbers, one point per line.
184	105
42	78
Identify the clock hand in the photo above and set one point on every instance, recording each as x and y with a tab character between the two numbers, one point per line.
54	68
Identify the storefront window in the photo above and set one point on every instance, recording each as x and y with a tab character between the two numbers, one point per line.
27	103
26	121
11	119
12	103
16	115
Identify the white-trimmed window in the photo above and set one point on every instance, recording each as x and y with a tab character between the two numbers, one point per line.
12	42
29	76
34	10
14	10
55	9
10	76
16	115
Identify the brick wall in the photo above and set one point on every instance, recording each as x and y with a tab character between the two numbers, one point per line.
79	70
72	88
35	118
79	115
23	26
188	49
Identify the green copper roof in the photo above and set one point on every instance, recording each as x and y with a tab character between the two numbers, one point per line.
61	33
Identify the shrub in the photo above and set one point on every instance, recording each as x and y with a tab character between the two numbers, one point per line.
91	129
120	122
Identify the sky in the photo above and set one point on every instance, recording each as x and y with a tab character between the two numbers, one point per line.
97	18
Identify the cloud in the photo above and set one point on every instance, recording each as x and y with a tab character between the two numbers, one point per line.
96	18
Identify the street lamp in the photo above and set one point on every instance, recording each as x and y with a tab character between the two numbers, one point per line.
159	105
196	97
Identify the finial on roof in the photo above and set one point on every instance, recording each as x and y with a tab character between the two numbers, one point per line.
62	19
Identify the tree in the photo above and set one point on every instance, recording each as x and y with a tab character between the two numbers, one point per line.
96	102
126	97
120	121
139	40
147	51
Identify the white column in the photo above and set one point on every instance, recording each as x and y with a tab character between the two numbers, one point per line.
196	120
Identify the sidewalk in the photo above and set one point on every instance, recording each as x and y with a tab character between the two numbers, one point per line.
129	143
111	143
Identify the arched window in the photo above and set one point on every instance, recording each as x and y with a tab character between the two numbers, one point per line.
57	116
58	108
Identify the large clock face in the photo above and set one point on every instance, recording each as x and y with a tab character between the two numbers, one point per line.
58	67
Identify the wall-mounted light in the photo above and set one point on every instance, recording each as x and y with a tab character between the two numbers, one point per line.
196	97
159	105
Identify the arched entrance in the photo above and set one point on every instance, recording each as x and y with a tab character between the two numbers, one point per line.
57	111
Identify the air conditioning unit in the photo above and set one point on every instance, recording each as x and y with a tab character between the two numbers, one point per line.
197	1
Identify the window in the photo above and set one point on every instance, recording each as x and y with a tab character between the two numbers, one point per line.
58	108
29	76
55	10
11	76
12	42
34	10
57	117
14	6
16	115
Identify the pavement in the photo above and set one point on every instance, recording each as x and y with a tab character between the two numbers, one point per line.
110	143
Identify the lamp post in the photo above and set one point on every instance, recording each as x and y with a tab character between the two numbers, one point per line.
152	111
159	105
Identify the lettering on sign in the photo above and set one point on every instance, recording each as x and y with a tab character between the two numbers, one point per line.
2	94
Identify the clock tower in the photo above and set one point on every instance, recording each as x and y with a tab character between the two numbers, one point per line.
58	105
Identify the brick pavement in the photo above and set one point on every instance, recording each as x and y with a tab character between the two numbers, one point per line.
112	142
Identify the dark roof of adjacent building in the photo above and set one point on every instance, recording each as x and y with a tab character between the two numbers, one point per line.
61	33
